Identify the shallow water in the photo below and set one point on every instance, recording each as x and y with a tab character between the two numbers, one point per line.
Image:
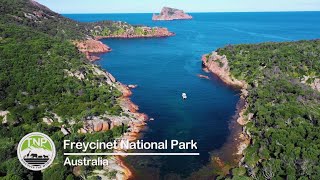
163	68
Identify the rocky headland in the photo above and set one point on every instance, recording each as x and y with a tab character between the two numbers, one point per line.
169	14
218	65
92	48
141	32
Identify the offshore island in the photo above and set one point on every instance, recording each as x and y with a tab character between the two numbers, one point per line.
169	14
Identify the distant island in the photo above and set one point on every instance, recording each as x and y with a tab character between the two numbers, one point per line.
169	14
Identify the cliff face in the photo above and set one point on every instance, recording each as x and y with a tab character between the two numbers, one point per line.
169	14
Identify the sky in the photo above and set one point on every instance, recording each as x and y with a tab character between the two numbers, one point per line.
152	6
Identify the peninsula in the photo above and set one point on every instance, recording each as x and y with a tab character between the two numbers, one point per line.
280	88
169	14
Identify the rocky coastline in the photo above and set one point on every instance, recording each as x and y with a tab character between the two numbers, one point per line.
135	120
218	65
92	48
147	33
132	118
170	14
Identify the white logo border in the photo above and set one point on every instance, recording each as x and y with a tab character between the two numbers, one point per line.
50	160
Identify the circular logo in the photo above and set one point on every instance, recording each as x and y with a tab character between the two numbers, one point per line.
36	151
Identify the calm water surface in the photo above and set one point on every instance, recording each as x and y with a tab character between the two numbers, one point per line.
164	68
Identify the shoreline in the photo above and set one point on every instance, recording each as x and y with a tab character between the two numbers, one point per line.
93	47
157	32
132	36
92	50
238	136
218	65
136	127
138	120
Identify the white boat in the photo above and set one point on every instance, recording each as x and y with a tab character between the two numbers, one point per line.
184	96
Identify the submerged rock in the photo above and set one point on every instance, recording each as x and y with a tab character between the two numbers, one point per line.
132	86
203	76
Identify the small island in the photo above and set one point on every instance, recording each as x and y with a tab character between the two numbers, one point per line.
169	14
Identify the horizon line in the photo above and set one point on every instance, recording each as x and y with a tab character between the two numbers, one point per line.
195	12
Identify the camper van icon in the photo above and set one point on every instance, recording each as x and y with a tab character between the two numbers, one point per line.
36	151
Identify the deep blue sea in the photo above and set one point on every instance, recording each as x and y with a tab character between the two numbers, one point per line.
163	68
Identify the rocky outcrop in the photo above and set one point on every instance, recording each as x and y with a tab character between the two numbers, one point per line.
92	48
47	120
130	116
146	32
132	86
219	66
97	124
4	115
315	83
169	14
203	76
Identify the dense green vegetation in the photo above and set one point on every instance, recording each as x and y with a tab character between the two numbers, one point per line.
285	127
108	28
34	83
32	14
42	75
34	78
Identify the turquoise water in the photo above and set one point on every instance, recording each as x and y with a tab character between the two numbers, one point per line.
163	68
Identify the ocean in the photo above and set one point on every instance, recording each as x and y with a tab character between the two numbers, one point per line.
163	68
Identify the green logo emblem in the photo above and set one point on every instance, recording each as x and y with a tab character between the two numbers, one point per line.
36	151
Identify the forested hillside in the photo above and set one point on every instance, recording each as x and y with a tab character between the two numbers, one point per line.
43	76
285	103
35	82
32	14
40	18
